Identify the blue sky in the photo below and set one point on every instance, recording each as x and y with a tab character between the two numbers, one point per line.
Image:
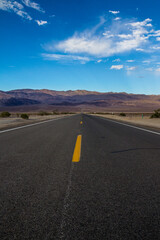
81	44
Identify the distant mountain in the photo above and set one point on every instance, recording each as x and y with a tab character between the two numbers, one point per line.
33	100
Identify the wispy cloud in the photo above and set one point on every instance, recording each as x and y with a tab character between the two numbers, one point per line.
117	18
116	60
156	47
116	67
131	68
118	38
106	40
33	5
114	12
18	7
140	50
130	61
41	22
146	61
145	23
63	57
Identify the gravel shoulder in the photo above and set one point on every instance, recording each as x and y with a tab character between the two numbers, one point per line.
11	122
147	122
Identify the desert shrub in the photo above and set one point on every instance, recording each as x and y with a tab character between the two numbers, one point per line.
5	114
64	113
43	113
55	112
156	114
24	116
122	114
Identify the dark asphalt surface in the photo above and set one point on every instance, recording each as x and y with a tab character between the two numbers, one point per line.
112	193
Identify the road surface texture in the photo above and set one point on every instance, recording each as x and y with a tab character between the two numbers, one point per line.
113	192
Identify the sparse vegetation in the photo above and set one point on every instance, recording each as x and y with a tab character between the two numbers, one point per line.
5	114
122	114
101	113
55	112
156	114
24	116
43	113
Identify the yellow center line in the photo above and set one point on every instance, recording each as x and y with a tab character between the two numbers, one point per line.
77	149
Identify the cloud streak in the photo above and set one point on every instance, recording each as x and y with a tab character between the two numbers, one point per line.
16	7
131	68
41	22
63	57
33	5
114	12
19	7
116	67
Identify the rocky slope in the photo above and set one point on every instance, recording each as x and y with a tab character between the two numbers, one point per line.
29	99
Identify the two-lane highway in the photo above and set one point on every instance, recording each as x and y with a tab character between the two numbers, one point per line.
111	192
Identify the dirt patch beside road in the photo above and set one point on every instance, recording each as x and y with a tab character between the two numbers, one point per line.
146	121
11	122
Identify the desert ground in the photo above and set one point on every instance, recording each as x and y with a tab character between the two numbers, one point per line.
135	118
15	121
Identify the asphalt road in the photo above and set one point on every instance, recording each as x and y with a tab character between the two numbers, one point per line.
113	192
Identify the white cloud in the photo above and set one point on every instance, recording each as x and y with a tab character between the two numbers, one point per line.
156	33
146	61
116	67
33	5
116	60
108	34
99	61
125	36
114	12
106	40
18	5
117	18
41	22
156	47
140	50
158	38
131	68
146	23
62	57
92	46
130	61
158	70
14	6
117	38
18	8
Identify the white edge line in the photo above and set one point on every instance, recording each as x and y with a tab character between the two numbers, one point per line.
30	125
142	129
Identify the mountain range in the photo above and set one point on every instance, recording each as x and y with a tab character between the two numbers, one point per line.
35	100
